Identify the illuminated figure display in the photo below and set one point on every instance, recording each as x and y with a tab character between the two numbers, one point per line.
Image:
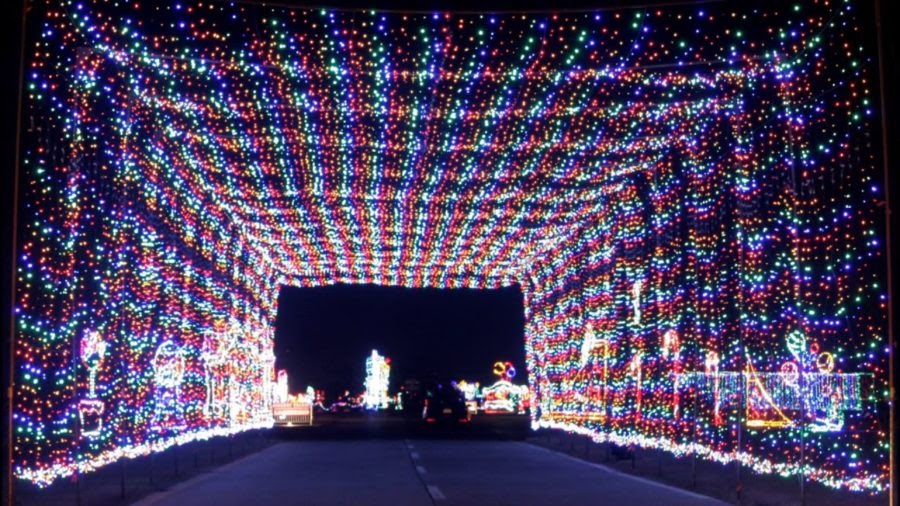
168	374
503	396
90	409
378	374
215	363
689	197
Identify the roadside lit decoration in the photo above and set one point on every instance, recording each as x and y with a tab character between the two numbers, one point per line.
168	374
790	373
249	386
294	409
825	362
471	390
378	372
636	301
505	370
90	409
216	346
472	394
588	344
671	347
505	397
707	170
281	386
711	365
810	398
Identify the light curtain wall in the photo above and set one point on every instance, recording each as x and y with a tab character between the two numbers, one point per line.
689	197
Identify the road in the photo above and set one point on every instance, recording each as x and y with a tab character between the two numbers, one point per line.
331	465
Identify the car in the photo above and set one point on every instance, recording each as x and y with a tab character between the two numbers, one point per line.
346	403
341	406
444	403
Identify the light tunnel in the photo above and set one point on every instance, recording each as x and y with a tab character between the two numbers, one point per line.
687	196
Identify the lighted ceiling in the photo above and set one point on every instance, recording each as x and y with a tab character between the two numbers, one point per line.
339	142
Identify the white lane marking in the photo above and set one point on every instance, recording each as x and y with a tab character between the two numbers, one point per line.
436	493
414	455
712	500
421	469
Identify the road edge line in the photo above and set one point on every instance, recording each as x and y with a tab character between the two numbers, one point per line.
634	477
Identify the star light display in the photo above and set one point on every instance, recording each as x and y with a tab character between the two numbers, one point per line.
687	195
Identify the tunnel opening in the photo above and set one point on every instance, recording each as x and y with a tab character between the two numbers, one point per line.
323	335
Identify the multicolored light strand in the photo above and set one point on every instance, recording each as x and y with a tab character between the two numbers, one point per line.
688	197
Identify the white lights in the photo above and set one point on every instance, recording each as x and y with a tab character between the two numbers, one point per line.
378	371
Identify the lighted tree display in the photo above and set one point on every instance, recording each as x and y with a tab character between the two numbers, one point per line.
688	197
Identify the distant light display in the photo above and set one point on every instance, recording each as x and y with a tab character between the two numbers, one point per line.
378	376
281	392
505	397
506	371
688	196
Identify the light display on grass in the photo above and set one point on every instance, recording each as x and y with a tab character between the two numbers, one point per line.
687	195
471	393
293	410
281	392
504	396
378	375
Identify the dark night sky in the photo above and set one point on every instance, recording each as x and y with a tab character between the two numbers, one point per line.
323	335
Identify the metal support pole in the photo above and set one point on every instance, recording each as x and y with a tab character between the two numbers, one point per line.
9	379
885	138
693	470
77	486
122	479
737	452
802	464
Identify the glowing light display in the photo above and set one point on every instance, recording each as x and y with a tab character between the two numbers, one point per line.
378	374
281	387
293	409
505	370
687	196
505	397
90	409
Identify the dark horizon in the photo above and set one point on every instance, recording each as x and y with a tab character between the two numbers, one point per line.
324	334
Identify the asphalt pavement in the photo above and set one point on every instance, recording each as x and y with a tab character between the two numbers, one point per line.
428	467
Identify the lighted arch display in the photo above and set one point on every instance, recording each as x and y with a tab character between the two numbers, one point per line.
688	197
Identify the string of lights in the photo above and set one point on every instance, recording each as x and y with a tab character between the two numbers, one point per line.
687	195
